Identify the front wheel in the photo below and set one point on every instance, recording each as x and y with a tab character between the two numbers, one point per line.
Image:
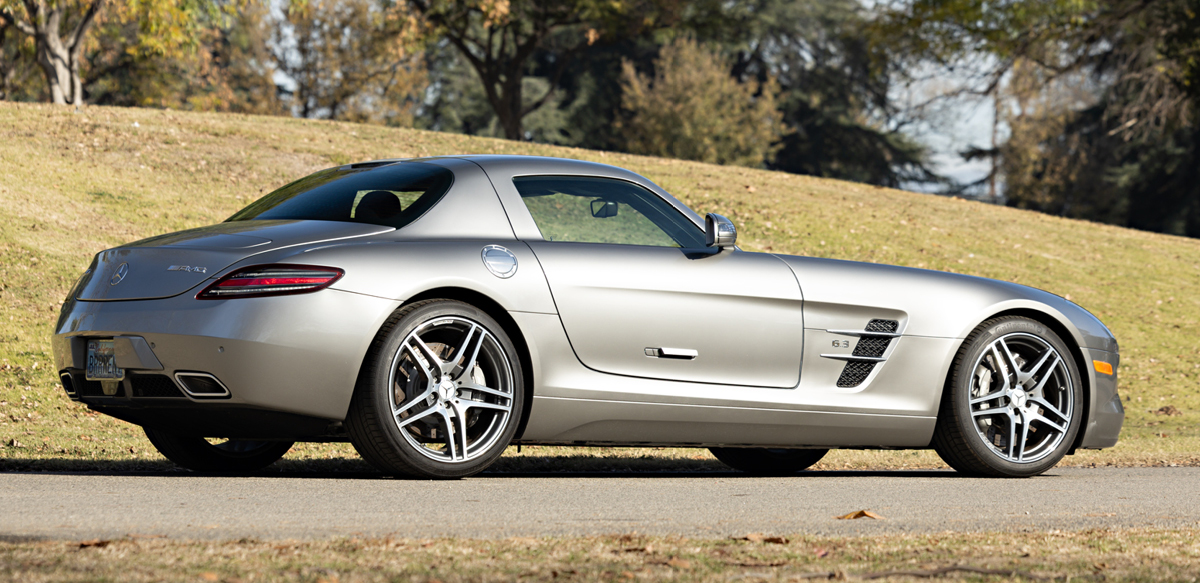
233	456
440	394
1013	404
768	462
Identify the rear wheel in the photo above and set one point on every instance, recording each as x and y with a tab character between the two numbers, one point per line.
217	456
1014	402
440	394
767	462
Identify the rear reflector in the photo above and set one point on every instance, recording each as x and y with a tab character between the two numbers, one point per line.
271	280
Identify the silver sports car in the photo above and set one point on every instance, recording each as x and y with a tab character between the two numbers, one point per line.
434	311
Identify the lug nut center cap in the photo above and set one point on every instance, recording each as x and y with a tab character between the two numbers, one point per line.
445	390
1019	398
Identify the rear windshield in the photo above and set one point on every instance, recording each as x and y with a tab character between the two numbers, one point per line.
393	195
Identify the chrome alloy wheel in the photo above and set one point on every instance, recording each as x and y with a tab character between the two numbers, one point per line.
452	389
1021	397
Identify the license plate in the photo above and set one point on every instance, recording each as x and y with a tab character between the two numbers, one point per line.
102	362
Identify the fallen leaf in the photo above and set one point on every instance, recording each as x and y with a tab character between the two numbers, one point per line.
626	575
771	564
822	553
648	549
679	563
97	543
1169	411
752	537
775	540
861	514
209	576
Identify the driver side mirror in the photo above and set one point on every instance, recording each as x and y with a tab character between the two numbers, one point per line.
719	231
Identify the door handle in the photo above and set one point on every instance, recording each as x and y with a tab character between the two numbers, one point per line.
672	353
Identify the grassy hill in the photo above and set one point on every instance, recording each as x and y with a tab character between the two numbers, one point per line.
75	182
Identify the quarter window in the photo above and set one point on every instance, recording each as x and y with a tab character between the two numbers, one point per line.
389	194
585	209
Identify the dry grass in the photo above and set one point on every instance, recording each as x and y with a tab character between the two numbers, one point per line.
1133	555
72	184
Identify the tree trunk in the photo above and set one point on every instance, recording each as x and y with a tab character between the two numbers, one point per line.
510	110
52	56
57	56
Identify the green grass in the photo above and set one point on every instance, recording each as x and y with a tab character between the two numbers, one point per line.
1101	555
74	183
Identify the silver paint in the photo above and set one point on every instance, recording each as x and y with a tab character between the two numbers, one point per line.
587	314
500	261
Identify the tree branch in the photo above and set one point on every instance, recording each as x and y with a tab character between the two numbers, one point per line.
562	65
33	8
20	25
89	17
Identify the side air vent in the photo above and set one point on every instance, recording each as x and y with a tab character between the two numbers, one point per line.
855	373
882	326
868	346
872	346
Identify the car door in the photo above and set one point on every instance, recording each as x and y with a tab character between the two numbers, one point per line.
639	294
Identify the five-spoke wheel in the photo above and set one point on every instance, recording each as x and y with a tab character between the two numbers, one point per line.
1012	407
440	395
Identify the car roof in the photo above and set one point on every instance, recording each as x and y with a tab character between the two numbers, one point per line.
524	164
500	169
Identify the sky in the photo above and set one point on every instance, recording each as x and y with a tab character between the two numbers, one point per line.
953	126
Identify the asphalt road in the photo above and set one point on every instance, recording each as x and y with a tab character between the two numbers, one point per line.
85	506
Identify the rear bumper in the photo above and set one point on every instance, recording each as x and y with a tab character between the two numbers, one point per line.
1106	415
179	415
296	355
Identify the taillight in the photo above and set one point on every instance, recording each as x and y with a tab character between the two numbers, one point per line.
271	280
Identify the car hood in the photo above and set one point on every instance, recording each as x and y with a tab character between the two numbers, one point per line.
174	263
935	303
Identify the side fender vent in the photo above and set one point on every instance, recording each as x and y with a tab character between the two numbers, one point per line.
855	373
873	346
882	326
868	346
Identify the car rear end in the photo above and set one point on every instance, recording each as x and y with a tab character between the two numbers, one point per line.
224	331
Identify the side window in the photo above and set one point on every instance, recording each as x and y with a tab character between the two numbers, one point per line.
392	194
585	209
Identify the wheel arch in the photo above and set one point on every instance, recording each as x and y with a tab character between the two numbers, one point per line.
1066	335
493	308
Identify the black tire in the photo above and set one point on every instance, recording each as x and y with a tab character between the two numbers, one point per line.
768	462
1022	438
233	456
393	377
